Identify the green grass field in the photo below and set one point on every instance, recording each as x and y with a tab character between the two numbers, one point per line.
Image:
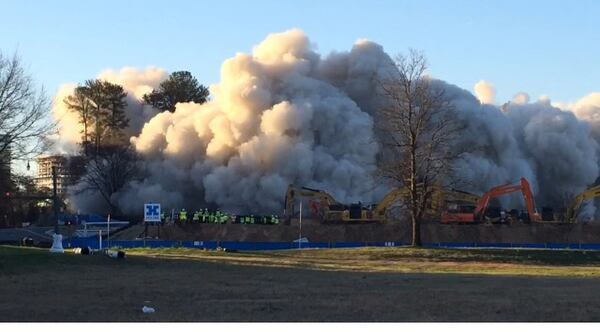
367	284
556	263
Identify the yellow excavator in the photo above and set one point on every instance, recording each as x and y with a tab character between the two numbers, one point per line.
320	201
440	198
573	209
323	206
357	213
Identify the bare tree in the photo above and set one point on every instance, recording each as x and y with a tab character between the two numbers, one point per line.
108	172
416	129
23	111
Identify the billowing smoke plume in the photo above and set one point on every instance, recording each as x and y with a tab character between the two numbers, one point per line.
485	92
521	98
587	109
550	147
285	114
281	115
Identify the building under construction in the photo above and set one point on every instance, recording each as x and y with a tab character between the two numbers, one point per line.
68	168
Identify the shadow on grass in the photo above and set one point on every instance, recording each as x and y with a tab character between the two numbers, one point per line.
509	256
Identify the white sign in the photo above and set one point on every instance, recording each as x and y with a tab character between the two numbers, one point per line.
152	212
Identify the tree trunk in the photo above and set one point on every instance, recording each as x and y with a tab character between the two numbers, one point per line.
416	232
97	138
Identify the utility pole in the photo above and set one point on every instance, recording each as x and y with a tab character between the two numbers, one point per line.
55	199
300	228
57	238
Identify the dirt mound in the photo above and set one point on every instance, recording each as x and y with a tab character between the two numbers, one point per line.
431	232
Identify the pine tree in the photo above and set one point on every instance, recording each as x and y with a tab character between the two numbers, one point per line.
180	87
95	93
80	103
115	119
101	105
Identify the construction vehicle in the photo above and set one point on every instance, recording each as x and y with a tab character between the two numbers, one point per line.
439	199
443	198
329	210
326	208
574	207
465	215
320	201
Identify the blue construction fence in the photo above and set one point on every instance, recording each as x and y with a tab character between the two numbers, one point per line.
94	243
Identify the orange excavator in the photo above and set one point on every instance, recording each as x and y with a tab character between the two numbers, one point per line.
467	215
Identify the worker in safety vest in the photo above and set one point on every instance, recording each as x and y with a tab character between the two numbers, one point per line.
183	215
162	217
196	217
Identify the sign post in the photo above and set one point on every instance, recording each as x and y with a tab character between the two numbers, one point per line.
108	231
151	212
151	216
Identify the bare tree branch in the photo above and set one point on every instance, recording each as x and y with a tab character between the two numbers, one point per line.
24	122
417	130
108	171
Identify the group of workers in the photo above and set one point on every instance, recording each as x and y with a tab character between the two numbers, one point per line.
217	217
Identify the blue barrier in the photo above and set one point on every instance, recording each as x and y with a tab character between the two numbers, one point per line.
456	245
530	245
93	243
348	244
590	246
557	246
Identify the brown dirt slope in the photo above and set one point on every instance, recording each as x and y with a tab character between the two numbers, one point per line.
431	233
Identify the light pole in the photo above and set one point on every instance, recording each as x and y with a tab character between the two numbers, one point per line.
300	228
57	237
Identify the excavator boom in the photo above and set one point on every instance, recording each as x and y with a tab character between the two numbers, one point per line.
304	192
479	212
574	207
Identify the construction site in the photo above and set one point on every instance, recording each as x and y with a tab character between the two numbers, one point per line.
454	218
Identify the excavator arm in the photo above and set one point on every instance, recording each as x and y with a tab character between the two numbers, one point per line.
529	201
482	203
305	192
574	207
389	199
493	193
438	198
522	186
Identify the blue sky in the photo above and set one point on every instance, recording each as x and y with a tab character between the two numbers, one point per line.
540	47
